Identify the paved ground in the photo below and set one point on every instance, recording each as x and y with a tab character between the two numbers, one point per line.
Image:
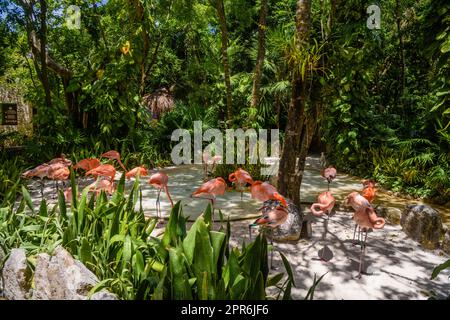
399	268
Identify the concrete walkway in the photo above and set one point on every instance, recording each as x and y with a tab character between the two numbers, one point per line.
399	268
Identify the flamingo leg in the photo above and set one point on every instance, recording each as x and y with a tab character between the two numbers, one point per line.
361	257
42	189
360	236
157	205
250	231
271	251
354	235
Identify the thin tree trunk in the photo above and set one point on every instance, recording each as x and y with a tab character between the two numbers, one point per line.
288	175
261	53
401	51
43	38
38	50
226	67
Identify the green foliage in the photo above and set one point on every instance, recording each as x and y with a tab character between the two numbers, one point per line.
114	240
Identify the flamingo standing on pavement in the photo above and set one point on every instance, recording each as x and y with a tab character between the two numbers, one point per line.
368	192
240	178
364	217
271	220
264	191
102	185
209	160
114	155
138	171
210	190
62	159
325	204
87	164
160	180
40	172
329	174
58	172
104	170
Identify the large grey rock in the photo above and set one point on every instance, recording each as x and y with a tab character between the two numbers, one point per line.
104	295
292	228
423	224
15	276
445	246
392	215
61	277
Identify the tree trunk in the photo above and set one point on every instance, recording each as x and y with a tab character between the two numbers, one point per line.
43	55
401	75
226	67
289	177
261	53
37	47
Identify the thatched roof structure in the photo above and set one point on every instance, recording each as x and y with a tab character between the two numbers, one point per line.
159	101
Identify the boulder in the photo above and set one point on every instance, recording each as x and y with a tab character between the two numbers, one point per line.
16	276
445	246
103	295
392	215
61	277
423	224
292	228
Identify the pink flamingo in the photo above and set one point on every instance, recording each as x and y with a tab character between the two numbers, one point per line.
87	164
366	218
160	181
114	155
240	178
329	174
264	191
210	190
271	219
138	171
325	204
41	171
104	170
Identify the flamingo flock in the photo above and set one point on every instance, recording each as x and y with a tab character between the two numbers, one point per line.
365	217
